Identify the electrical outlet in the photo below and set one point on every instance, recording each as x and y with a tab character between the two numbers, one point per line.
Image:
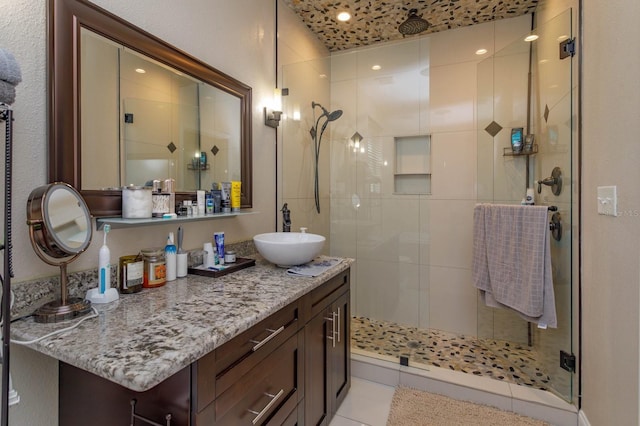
607	201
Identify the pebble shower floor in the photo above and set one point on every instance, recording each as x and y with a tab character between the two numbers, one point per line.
496	359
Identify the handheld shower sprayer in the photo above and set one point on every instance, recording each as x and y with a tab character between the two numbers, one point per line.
317	140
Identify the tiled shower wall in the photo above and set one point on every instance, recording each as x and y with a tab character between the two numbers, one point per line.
413	252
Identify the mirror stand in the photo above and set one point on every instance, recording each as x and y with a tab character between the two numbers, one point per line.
65	308
59	230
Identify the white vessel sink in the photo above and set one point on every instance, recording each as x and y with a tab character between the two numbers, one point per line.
289	248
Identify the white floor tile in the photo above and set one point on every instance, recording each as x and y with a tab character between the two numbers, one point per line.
366	403
343	421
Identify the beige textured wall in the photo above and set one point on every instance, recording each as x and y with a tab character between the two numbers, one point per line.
611	245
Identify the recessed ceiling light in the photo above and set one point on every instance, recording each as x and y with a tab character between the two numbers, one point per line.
481	51
322	76
140	71
531	37
376	67
344	16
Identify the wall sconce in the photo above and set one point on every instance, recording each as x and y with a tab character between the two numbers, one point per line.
273	115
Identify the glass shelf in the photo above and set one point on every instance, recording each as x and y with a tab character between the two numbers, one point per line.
119	222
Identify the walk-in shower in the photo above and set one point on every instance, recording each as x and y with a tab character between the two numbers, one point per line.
412	295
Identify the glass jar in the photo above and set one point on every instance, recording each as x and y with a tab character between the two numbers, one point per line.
155	270
131	274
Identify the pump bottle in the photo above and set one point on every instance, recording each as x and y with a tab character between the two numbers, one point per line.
170	255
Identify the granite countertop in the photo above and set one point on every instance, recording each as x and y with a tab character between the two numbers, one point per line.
144	338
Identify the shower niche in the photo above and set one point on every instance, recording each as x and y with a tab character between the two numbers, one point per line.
412	173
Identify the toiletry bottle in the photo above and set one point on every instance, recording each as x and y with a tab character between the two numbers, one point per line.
104	264
182	256
529	197
170	254
208	198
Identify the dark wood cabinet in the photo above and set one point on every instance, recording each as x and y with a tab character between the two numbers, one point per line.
327	352
86	399
291	368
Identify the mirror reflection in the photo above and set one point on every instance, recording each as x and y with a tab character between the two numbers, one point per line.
67	219
143	120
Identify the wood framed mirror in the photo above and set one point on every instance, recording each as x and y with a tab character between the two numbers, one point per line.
68	19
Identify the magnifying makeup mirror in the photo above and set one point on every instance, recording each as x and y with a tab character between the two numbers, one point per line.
60	230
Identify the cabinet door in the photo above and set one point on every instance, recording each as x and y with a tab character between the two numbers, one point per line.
340	353
318	332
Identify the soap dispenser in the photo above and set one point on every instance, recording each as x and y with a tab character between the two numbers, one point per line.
104	293
170	254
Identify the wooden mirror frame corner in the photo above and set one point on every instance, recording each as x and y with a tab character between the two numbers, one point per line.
66	18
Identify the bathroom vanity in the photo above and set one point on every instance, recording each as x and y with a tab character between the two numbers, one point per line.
257	346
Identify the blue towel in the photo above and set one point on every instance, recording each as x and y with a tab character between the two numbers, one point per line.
10	76
9	68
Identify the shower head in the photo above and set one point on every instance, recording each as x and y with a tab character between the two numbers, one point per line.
414	24
331	116
334	115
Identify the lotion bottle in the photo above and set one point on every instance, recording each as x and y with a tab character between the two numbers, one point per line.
170	255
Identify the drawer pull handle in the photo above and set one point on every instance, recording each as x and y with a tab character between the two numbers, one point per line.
333	328
338	326
264	411
263	342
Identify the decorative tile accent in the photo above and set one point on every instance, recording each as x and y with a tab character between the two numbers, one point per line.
546	113
214	150
171	147
493	129
500	360
378	21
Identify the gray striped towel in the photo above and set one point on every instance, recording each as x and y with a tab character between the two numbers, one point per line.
512	261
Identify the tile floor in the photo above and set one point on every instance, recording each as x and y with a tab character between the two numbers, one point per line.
366	404
496	359
373	384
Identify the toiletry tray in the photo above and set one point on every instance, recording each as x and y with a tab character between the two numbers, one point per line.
240	263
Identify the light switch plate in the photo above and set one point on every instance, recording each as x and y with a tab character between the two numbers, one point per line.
607	201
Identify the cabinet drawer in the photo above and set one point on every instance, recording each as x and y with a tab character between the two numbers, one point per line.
324	295
220	369
268	390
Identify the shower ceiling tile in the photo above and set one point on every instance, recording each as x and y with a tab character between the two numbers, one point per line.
493	129
375	22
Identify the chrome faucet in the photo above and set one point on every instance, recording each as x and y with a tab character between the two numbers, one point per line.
286	218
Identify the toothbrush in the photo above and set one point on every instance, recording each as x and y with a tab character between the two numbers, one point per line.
104	263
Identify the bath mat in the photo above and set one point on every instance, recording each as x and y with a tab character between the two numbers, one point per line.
411	407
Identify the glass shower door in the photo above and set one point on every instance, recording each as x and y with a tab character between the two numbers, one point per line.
529	84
